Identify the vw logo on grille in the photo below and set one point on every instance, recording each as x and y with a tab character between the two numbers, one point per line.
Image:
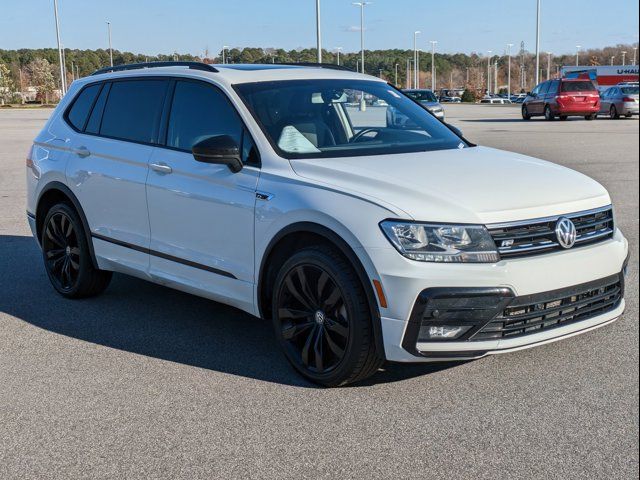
566	232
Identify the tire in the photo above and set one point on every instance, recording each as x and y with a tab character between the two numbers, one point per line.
628	115
525	113
613	113
590	117
66	255
548	114
322	318
563	117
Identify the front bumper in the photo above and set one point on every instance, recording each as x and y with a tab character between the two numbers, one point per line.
404	280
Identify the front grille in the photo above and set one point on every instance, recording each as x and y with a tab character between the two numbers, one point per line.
538	236
534	313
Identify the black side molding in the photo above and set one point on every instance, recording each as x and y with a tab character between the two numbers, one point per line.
165	256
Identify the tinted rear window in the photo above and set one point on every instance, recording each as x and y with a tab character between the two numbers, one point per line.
629	90
577	86
133	110
77	116
93	126
422	96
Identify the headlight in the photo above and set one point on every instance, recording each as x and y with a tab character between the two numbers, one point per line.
441	243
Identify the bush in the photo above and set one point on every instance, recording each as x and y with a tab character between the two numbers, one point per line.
468	96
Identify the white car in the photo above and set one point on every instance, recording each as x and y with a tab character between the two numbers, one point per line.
258	186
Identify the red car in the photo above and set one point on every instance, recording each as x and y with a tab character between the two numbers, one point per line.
562	98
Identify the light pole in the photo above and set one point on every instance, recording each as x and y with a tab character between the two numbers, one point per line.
548	65
110	49
613	57
338	52
63	88
635	50
408	73
433	64
509	45
489	71
396	77
578	47
318	34
537	42
415	58
361	5
624	55
224	56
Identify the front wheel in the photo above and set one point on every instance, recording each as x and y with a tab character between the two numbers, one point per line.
548	114
66	255
613	112
322	318
590	117
525	113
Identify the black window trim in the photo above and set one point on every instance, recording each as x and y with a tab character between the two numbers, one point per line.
66	113
163	123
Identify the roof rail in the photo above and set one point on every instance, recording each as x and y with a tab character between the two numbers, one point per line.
330	66
135	66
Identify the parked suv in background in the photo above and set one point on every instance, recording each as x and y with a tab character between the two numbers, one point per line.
562	98
268	188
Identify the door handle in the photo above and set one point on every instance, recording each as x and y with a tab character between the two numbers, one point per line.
161	168
82	152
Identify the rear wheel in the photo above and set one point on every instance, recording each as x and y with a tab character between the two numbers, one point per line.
525	113
613	112
563	117
66	255
548	114
628	115
322	318
590	117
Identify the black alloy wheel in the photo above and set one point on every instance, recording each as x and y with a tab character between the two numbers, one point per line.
61	251
323	319
313	318
613	112
525	113
66	255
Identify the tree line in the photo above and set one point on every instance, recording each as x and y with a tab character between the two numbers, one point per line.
40	67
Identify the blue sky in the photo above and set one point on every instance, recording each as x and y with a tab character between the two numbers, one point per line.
190	26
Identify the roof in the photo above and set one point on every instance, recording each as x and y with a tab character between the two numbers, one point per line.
240	73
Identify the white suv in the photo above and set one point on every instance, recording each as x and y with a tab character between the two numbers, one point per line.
282	191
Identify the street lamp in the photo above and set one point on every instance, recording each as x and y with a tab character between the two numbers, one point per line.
489	71
337	49
433	64
635	50
509	45
415	58
624	54
224	57
613	57
361	5
318	35
396	77
110	49
63	87
537	42
549	65
578	47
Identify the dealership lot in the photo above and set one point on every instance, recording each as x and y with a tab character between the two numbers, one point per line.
149	382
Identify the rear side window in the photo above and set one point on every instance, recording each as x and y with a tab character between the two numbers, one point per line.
199	111
77	115
93	125
133	110
577	86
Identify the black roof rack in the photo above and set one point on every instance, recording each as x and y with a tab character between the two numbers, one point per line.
135	66
330	66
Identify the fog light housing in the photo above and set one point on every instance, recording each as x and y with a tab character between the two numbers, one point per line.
441	332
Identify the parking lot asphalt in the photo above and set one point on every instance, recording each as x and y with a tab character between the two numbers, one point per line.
147	382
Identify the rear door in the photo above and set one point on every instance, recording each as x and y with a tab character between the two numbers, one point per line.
202	214
108	168
605	100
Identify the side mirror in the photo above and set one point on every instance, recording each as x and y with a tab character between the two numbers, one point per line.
219	149
456	130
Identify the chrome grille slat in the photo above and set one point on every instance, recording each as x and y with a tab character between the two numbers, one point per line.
538	235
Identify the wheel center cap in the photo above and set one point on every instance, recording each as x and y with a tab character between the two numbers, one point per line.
68	250
319	317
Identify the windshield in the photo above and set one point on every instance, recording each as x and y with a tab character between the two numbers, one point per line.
577	86
343	118
629	90
422	95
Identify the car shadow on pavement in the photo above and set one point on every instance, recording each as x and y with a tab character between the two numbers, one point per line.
147	319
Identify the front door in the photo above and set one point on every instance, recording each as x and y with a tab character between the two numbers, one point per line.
202	215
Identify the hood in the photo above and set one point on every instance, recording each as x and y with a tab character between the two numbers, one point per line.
469	185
